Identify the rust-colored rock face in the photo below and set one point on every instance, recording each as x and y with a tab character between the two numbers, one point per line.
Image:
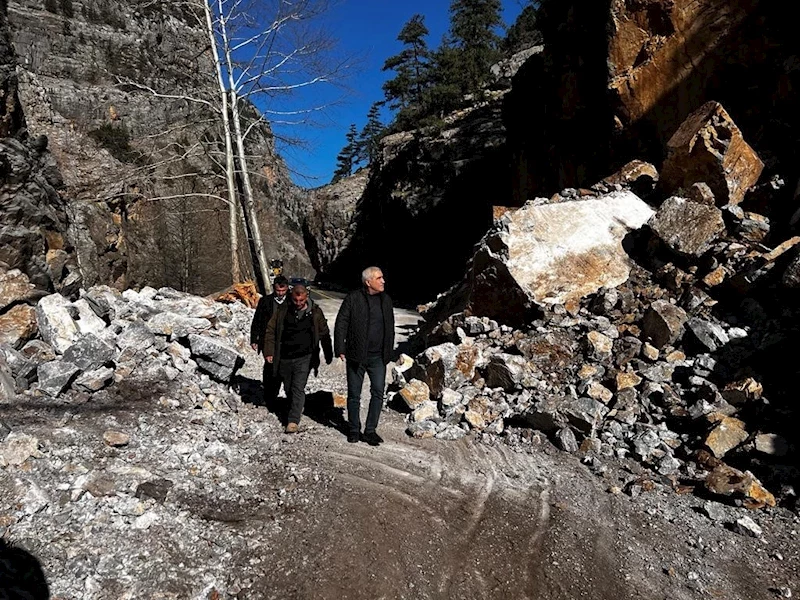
709	147
657	47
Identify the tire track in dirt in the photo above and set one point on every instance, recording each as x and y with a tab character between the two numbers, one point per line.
463	491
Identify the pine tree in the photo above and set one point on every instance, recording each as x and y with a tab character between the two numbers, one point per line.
524	33
473	25
368	142
405	90
347	157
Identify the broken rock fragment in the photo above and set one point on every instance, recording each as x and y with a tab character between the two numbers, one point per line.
709	147
688	228
663	323
548	253
727	481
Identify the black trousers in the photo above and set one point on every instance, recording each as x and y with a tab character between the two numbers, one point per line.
272	384
294	373
375	369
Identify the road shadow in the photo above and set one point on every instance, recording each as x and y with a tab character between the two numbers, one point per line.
21	574
319	407
251	391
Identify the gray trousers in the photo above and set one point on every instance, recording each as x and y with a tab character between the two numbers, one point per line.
294	373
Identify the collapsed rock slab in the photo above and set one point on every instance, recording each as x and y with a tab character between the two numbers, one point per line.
663	323
56	325
220	361
56	376
688	228
710	148
89	352
18	325
544	254
15	288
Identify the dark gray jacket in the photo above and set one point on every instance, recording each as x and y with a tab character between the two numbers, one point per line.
351	332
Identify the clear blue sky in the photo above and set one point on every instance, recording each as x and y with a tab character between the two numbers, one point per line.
366	29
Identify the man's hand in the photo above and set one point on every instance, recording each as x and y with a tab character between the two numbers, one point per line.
254	347
269	359
341	356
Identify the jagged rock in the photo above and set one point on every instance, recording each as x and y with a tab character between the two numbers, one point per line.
7	392
18	325
707	333
415	393
4	430
446	365
89	352
753	227
663	323
638	175
401	365
451	399
585	414
686	227
103	300
598	391
700	193
709	147
451	433
742	391
600	345
175	325
56	324
771	444
17	448
86	320
727	481
55	376
19	364
116	438
566	440
38	351
746	526
426	411
545	254
627	379
95	380
726	435
136	336
15	288
422	430
505	371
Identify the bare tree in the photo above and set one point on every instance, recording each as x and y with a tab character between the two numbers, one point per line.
264	53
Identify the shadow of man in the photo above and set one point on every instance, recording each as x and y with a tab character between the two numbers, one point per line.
21	575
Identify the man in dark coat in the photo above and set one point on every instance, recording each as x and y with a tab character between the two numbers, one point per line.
364	338
291	344
264	310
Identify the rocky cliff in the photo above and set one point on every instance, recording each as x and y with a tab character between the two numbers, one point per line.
148	204
33	215
403	220
617	79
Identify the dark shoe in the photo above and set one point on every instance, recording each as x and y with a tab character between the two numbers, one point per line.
372	438
353	437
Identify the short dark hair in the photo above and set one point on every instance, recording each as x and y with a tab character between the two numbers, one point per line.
280	280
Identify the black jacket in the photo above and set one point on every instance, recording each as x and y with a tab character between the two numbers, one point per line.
264	309
351	332
322	335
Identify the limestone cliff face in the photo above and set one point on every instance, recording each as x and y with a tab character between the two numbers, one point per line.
147	203
618	78
424	205
33	219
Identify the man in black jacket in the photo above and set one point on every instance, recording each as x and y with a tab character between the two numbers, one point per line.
291	344
266	306
364	337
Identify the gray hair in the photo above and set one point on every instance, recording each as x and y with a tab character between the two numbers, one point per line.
369	273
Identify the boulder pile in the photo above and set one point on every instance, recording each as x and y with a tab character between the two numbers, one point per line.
66	350
631	332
